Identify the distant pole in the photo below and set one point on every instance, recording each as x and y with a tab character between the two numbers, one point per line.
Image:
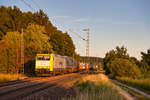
87	45
73	61
86	60
22	51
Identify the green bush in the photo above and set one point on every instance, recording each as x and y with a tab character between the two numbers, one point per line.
123	68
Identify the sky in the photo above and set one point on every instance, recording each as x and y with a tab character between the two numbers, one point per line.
111	22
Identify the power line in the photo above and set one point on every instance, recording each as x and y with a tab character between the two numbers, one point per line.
87	45
28	5
77	35
36	4
87	40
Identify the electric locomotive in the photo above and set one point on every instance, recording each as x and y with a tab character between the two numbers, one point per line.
51	64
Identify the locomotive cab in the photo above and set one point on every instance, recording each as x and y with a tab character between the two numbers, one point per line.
43	66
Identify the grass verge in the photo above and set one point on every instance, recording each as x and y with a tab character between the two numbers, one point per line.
96	87
141	84
133	93
9	77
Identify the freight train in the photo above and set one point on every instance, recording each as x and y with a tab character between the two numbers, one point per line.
51	64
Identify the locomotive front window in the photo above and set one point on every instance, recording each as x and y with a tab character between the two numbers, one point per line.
43	58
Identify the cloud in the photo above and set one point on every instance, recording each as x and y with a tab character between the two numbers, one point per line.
58	17
115	22
97	20
81	20
106	21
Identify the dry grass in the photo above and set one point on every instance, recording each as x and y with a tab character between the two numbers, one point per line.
142	84
96	78
9	77
96	87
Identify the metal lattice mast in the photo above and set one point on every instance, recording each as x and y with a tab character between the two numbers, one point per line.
87	41
22	51
87	48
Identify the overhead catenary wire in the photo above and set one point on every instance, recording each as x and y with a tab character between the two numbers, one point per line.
77	35
87	40
35	3
38	6
28	5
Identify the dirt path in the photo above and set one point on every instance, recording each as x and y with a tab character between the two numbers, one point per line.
125	94
121	91
134	89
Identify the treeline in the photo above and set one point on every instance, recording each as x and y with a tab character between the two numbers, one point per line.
32	31
118	63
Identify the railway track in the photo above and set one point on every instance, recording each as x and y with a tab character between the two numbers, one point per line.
20	90
20	81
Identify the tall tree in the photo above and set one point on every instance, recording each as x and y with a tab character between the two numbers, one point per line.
35	41
119	52
118	63
10	59
146	57
145	62
13	19
62	44
69	48
56	41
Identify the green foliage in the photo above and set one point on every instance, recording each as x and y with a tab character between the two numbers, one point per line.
69	47
145	62
123	68
62	44
77	56
119	52
56	41
144	67
34	42
118	63
12	19
38	34
10	57
146	57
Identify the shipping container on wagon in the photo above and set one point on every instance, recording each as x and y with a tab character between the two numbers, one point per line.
59	64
